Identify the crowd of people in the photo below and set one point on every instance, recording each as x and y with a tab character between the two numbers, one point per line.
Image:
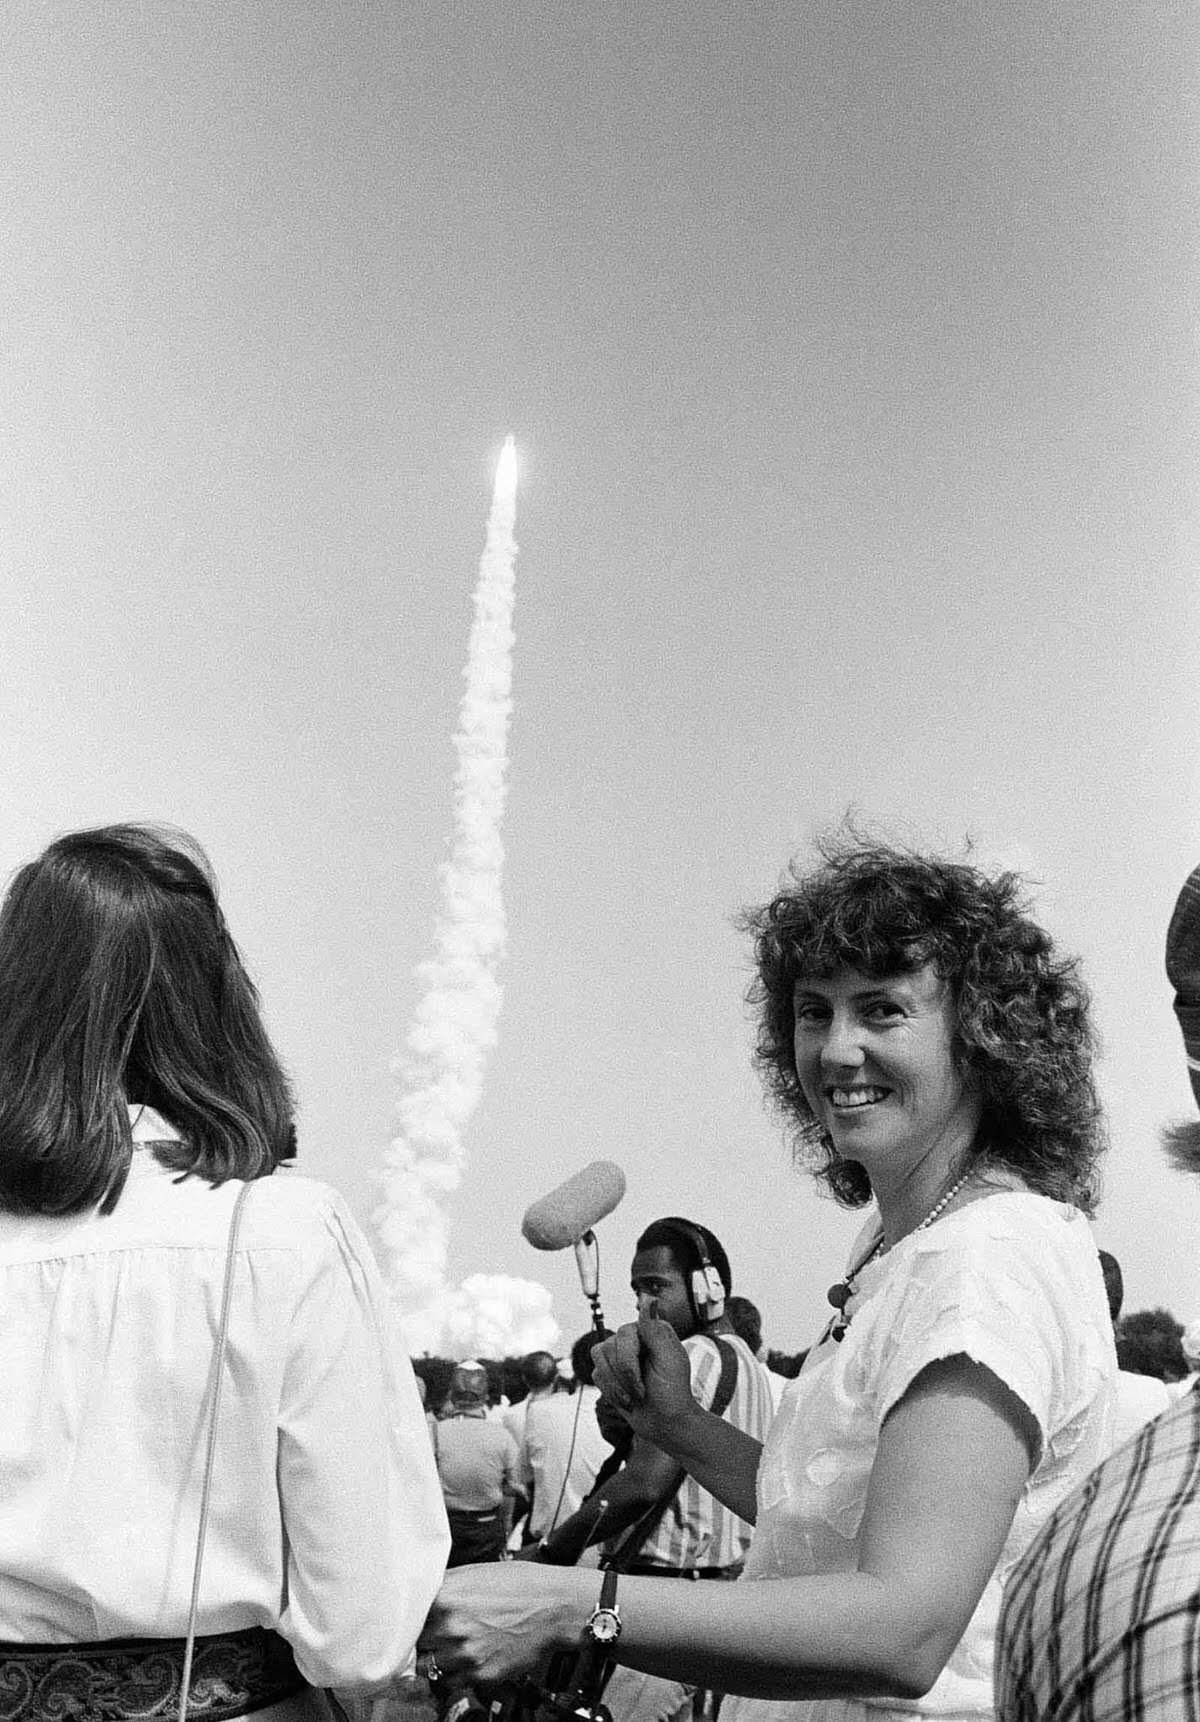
221	1494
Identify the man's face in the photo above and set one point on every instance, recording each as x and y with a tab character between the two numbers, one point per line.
656	1275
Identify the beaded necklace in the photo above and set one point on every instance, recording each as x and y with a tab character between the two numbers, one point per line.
840	1294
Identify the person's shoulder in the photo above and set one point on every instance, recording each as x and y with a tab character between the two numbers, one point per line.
289	1210
498	1436
750	1364
1021	1246
1010	1260
703	1352
1013	1207
707	1353
292	1193
740	1348
545	1410
1015	1221
709	1344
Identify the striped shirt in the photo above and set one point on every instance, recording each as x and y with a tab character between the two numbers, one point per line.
696	1530
1101	1619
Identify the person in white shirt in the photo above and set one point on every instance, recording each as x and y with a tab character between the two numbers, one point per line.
932	1051
539	1372
139	1096
562	1448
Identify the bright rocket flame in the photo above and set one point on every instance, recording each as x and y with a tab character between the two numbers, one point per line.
506	473
455	1023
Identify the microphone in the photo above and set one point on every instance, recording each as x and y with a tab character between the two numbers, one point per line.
568	1213
566	1217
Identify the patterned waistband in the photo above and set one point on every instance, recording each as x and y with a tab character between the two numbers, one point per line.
233	1673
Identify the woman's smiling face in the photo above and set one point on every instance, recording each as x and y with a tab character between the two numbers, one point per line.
875	1060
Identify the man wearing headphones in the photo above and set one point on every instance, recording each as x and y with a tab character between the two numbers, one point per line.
655	1518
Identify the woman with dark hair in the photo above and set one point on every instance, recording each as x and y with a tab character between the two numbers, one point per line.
139	1097
932	1054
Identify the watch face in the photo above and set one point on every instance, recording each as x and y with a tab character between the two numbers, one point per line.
605	1625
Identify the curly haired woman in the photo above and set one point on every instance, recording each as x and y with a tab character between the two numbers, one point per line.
933	1053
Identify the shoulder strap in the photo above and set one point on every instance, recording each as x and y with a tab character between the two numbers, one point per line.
218	1368
729	1374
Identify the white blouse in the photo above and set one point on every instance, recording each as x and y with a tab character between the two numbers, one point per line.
1011	1280
326	1520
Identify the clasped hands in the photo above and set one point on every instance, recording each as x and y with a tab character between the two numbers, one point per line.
643	1372
497	1620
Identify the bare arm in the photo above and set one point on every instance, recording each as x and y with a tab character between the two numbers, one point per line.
643	1370
642	1480
953	1458
722	1458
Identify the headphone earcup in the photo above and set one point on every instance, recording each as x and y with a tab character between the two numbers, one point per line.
715	1293
708	1292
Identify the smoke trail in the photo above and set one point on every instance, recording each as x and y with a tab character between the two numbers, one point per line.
454	1026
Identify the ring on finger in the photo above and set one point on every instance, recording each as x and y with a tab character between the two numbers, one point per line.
427	1664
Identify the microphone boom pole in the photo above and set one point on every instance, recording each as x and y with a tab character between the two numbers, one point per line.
587	1260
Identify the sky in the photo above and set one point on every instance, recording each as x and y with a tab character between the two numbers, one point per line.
850	353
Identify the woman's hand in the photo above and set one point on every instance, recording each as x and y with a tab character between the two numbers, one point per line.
499	1619
643	1371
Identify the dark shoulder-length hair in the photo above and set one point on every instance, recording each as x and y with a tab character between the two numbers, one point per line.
120	983
1023	1030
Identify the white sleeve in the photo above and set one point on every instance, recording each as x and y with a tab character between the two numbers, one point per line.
1006	1300
365	1528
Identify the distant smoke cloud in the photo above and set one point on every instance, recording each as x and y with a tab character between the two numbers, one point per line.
455	1023
498	1316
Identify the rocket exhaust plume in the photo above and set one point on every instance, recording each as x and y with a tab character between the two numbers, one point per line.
455	1023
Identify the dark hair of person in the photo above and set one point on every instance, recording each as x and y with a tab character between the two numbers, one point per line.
539	1369
471	1384
675	1234
583	1366
1150	1342
1114	1284
745	1318
1182	1143
787	1364
119	984
1023	1033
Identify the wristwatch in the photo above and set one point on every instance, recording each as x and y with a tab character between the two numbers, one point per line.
603	1625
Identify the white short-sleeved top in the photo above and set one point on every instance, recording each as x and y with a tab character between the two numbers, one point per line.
1013	1281
326	1518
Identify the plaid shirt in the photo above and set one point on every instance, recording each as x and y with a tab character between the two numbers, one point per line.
1101	1619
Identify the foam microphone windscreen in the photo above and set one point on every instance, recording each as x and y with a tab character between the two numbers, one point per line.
561	1218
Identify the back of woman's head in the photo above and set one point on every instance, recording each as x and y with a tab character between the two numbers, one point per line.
119	984
1023	1033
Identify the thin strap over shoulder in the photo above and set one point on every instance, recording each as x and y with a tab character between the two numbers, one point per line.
235	1224
728	1377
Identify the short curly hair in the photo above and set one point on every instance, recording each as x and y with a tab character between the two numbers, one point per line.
1023	1032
